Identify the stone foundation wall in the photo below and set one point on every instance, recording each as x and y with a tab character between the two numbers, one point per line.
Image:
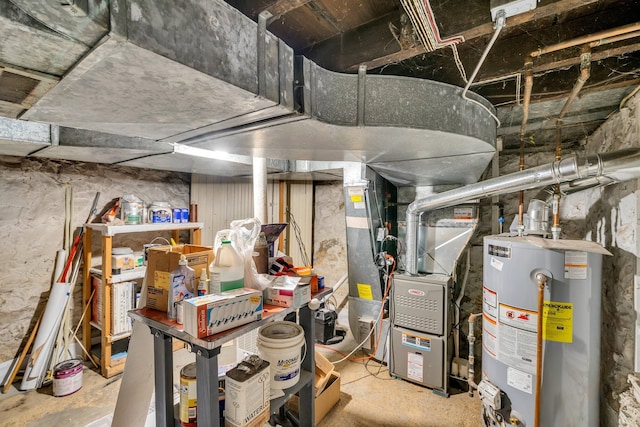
32	218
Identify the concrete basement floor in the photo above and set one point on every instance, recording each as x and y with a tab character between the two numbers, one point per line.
369	397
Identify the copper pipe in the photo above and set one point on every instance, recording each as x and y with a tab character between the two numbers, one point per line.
602	35
528	88
585	72
614	39
541	280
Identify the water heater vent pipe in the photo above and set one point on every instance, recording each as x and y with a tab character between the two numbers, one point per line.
616	166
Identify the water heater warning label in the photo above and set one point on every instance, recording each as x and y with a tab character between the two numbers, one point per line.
489	302
517	337
575	265
520	380
558	321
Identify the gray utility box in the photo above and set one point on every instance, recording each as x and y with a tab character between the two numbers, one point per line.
420	330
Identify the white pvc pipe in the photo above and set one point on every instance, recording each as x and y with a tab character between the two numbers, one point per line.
45	337
260	189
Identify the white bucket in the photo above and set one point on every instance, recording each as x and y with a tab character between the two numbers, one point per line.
280	343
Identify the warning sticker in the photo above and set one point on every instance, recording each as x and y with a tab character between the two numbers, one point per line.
517	348
416	342
496	263
490	336
356	195
575	265
465	213
517	337
520	380
558	321
415	363
364	291
519	318
490	302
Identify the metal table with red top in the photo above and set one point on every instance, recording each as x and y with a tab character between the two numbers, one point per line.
207	350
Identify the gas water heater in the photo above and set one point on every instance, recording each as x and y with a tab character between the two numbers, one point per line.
516	271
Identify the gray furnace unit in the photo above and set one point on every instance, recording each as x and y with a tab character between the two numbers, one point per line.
421	329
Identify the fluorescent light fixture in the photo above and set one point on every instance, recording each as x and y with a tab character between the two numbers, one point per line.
210	154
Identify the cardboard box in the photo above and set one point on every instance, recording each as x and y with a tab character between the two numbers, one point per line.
209	314
162	260
247	395
325	401
288	293
122	300
328	398
323	371
120	263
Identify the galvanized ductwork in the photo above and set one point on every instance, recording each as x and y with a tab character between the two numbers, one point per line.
599	169
203	77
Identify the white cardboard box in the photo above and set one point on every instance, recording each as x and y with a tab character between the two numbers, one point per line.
209	314
288	293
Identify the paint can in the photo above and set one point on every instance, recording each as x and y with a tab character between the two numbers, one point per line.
280	344
67	377
188	396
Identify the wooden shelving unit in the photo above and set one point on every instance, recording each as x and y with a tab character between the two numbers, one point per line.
104	353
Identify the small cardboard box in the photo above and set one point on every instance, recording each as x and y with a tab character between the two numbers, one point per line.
247	396
328	398
209	314
288	293
162	260
323	371
325	401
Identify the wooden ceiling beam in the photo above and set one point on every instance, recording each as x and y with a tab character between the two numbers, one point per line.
542	12
282	7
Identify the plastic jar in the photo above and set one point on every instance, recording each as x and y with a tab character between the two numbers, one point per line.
160	212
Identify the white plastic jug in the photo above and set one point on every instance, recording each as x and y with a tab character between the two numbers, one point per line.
227	270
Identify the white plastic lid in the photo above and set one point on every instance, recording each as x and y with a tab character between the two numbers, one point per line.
183	260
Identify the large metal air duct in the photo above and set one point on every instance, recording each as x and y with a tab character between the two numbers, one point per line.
603	168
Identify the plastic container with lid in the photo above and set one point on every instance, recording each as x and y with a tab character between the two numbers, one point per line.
160	212
227	270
